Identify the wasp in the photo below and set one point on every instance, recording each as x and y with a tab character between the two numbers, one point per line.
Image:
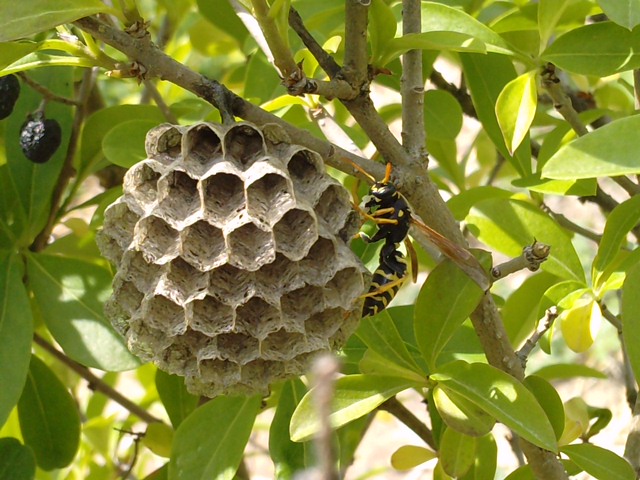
390	211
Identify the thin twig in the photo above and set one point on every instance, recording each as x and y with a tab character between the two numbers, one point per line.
569	225
532	341
561	100
399	411
282	56
45	92
96	383
159	101
532	257
460	94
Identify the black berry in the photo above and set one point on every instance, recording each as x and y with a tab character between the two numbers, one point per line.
9	92
40	137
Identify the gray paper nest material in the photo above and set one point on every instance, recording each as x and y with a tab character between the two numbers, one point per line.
233	268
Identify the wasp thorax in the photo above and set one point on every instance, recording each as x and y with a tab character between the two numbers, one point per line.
232	268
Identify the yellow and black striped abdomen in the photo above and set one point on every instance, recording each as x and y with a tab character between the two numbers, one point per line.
386	281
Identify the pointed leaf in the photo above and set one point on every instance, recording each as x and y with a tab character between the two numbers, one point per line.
549	400
380	334
619	223
631	317
372	363
355	396
562	371
49	418
446	300
486	76
177	401
442	18
382	28
580	324
501	396
599	462
461	414
210	442
442	115
288	456
123	145
607	151
624	12
70	293
16	333
22	19
599	49
410	456
158	438
508	225
16	460
549	14
516	107
12	51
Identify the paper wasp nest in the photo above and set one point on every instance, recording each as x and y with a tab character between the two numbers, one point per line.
233	267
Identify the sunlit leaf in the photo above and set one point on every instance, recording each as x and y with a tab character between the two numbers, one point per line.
177	401
461	414
457	452
631	317
580	324
410	456
623	12
599	462
516	107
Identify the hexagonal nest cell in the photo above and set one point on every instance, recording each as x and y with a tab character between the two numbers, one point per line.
232	257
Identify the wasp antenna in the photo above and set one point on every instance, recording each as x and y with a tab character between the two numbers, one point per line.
387	175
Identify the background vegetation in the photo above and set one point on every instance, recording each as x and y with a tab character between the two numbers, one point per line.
529	122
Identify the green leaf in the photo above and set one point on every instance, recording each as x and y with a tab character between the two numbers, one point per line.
520	311
177	401
288	457
456	453
410	456
549	14
12	51
437	41
101	122
549	400
382	28
22	19
16	460
599	462
625	13
486	76
486	460
441	18
158	438
16	333
221	14
501	396
607	151
123	145
631	317
619	223
210	442
442	115
446	300
563	371
354	396
380	334
461	414
580	324
49	418
508	225
71	293
599	49
515	109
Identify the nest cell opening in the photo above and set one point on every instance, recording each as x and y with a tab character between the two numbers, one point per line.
119	223
348	285
230	285
204	148
295	232
250	247
157	240
244	145
306	172
334	207
137	270
216	371
322	325
203	246
258	318
238	348
163	314
223	197
278	275
183	282
164	144
282	345
181	199
261	373
321	258
141	182
269	197
302	302
211	317
128	296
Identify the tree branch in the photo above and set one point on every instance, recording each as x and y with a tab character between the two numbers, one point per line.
96	383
